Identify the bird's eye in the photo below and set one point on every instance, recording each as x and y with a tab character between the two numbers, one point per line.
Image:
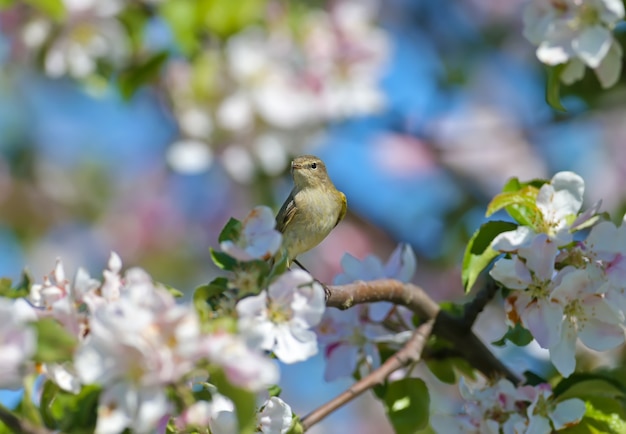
313	165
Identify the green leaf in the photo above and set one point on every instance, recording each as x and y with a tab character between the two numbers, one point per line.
54	343
231	231
204	296
175	292
604	397
553	87
134	20
27	408
533	379
244	400
226	17
48	393
517	335
223	260
608	422
21	290
446	369
520	204
443	370
296	426
407	404
69	413
593	384
274	390
214	288
522	214
183	17
479	254
55	9
5	286
279	266
136	76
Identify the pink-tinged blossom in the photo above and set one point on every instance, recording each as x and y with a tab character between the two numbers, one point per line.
400	266
530	275
605	248
137	345
243	366
18	341
258	239
579	33
586	315
274	417
349	339
281	318
503	408
559	201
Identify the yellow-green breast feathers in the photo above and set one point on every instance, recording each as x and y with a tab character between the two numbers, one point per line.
314	207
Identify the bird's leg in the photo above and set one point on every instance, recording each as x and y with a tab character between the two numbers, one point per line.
326	290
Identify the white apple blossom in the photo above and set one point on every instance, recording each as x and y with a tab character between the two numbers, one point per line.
275	416
282	317
137	345
89	33
243	366
219	415
532	282
605	248
18	341
586	315
329	71
349	339
577	32
258	239
559	201
400	266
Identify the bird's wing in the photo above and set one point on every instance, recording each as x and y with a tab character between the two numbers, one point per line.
344	208
286	213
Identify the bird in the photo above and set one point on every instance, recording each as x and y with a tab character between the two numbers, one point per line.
312	210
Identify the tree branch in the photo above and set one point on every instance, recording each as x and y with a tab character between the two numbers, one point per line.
17	425
455	330
409	353
476	306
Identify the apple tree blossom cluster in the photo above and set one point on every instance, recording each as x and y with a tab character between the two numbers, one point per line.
120	353
250	81
577	34
563	270
504	408
152	361
266	86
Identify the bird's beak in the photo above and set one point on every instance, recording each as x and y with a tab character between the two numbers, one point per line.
294	166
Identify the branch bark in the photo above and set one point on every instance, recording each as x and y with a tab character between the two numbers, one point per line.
456	330
409	353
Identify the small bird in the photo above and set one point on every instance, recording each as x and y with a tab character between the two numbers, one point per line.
314	207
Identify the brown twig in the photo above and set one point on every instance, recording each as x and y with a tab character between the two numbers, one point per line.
409	353
17	425
453	329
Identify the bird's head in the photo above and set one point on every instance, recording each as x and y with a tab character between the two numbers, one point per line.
309	171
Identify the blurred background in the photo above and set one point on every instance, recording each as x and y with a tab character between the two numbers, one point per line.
141	126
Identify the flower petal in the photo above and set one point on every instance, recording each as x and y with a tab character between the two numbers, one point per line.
568	412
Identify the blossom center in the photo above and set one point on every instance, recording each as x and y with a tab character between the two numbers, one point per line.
278	313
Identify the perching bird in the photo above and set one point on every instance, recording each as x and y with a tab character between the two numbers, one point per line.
314	207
